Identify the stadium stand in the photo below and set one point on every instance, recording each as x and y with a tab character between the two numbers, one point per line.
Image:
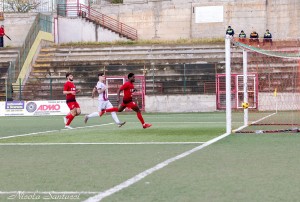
7	55
168	69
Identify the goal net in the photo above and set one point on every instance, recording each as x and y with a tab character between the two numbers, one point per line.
271	87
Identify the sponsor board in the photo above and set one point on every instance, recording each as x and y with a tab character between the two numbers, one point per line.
33	108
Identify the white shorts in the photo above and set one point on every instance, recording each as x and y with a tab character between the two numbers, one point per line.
104	105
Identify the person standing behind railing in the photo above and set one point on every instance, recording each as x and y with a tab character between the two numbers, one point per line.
2	34
242	36
267	37
254	38
230	31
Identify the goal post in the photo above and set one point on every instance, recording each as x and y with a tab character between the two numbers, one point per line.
275	90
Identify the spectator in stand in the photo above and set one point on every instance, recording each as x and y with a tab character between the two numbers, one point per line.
242	36
230	31
254	38
267	37
2	34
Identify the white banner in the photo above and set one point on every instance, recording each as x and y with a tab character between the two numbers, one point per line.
34	108
208	14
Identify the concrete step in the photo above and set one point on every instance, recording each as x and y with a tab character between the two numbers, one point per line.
116	49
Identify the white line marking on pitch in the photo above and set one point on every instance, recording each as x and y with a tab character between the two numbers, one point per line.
254	122
191	122
98	143
51	131
145	173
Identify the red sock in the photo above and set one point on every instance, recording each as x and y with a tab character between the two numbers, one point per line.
140	117
70	119
114	109
68	115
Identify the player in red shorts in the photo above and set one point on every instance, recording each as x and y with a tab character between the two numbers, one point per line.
70	92
128	89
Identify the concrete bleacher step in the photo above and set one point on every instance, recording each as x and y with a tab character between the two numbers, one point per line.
85	63
161	63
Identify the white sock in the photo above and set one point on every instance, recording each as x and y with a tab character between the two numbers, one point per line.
94	114
114	116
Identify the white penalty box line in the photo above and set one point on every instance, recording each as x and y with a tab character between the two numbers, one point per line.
145	173
99	143
52	131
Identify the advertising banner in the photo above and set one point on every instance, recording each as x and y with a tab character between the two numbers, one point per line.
33	108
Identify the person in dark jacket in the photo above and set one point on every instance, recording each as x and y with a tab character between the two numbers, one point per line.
254	38
267	38
230	31
242	36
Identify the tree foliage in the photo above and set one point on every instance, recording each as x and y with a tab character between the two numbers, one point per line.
22	6
117	1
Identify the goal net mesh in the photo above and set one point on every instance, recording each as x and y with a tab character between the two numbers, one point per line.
274	93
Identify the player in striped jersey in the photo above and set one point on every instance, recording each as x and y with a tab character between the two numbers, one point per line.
103	102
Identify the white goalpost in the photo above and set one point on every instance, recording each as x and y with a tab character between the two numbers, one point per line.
262	87
228	83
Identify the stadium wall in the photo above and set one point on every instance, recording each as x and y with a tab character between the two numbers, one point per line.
174	103
17	26
175	19
78	29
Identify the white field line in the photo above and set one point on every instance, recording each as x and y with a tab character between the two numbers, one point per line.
51	131
98	143
254	122
191	122
145	173
47	192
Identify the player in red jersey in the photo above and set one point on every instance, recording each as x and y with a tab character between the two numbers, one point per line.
70	92
128	89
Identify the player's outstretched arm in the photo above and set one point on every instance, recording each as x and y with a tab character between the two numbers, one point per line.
118	95
94	92
65	92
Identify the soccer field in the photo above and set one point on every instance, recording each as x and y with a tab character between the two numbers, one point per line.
168	162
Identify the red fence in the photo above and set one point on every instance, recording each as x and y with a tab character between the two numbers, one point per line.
98	18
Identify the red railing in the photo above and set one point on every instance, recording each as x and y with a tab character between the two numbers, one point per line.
98	18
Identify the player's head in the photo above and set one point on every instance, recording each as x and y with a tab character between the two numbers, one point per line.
131	77
229	27
242	31
267	30
2	26
69	76
101	76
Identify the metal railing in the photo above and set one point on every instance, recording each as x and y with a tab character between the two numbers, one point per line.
90	14
41	23
179	79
